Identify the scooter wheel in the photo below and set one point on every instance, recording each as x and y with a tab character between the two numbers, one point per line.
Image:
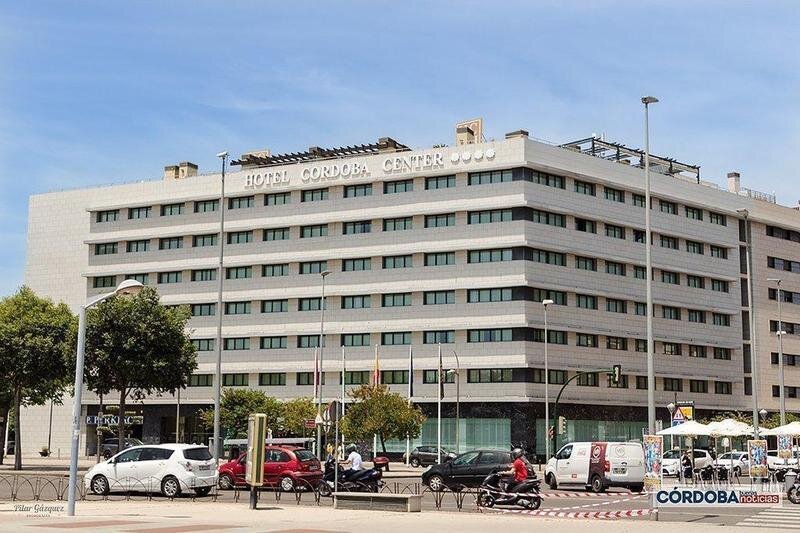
793	495
324	489
531	504
486	500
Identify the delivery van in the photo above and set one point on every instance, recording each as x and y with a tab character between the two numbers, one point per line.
597	466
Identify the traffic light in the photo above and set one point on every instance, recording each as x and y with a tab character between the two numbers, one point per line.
616	374
562	425
551	432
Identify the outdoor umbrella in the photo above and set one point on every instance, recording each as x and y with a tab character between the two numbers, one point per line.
792	428
729	428
691	429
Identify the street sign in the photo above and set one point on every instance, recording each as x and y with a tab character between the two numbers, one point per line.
678	418
310	423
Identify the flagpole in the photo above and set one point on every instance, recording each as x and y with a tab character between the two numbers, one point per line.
377	381
318	399
410	394
343	398
439	411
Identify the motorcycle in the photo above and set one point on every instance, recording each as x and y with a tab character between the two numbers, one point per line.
368	480
793	494
525	495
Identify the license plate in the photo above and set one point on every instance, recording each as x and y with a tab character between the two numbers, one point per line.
620	470
313	467
205	467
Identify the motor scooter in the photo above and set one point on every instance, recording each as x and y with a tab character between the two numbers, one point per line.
368	480
793	493
526	494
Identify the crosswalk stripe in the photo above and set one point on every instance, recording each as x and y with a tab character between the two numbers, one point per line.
786	525
774	517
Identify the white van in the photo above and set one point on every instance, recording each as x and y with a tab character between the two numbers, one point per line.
597	466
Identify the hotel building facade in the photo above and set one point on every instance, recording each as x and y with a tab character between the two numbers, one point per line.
455	245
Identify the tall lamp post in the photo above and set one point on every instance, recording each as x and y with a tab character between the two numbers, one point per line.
745	214
458	402
323	274
220	276
781	333
651	377
545	303
127	287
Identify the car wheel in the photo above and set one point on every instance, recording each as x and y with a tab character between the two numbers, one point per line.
287	484
436	483
550	479
414	462
100	485
639	487
597	484
171	487
202	491
225	482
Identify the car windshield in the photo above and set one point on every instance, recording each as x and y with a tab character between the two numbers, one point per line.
304	455
133	442
197	454
465	459
672	454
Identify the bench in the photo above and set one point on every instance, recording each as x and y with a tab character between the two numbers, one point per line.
404	503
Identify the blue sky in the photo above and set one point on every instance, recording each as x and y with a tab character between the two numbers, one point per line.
97	92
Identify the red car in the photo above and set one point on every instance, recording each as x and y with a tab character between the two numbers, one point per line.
287	467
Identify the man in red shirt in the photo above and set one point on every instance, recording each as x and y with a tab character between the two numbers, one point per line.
518	469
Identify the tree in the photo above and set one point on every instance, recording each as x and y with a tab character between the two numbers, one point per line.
37	343
380	412
138	347
296	412
235	407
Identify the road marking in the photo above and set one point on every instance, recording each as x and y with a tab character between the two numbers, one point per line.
774	517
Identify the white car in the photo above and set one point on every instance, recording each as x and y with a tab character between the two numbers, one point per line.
774	462
671	461
738	461
166	468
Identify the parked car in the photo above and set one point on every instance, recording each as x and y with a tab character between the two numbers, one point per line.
287	467
597	465
111	446
427	455
466	470
737	461
166	468
671	461
775	463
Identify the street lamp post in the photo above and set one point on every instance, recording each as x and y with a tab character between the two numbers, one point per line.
782	393
321	343
545	303
651	378
127	287
745	214
220	276
458	402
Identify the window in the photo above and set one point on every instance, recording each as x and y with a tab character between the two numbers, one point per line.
204	240
396	338
400	299
723	387
170	243
615	232
488	295
722	353
276	234
586	340
551	258
314	195
586	263
432	376
697	351
694	247
235	380
717	218
694	213
669	242
440	221
240	237
719	319
489	256
237	308
696	282
638	200
671	313
355	302
719	285
439	297
238	343
316	230
543	178
616	343
489	375
641	309
546	217
493	176
585	301
138	246
489	217
641	382
353	191
278	198
104	281
489	335
392	187
356	339
313	267
553	336
616	269
668	207
672	348
275	306
141	278
621	384
557	377
436	337
361	377
201	380
170	277
719	252
673	384
558	297
269	271
398	224
615	195
135	213
203	309
440	259
616	306
272	379
107	248
241	202
397	261
588	226
169	210
698	385
583	187
350	265
309	304
697	316
394	377
273	343
307	378
440	182
354	228
639	236
308	341
588	379
672	278
108	216
239	272
206	206
640	272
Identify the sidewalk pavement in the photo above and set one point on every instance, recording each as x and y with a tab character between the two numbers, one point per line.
175	517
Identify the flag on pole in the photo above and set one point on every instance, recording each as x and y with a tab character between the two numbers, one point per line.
376	374
410	374
441	375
